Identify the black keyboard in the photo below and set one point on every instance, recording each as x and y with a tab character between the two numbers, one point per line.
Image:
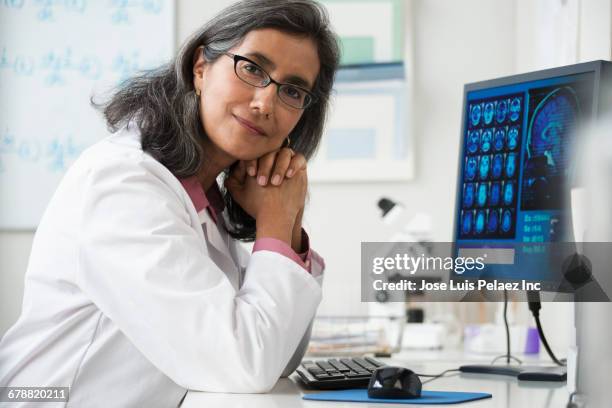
338	373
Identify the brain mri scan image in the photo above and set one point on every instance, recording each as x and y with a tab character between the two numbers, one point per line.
468	195
470	168
481	197
506	224
495	194
492	221
498	165
513	135
486	139
498	140
501	111
480	222
473	141
466	222
489	112
511	164
554	113
508	193
475	114
483	168
515	109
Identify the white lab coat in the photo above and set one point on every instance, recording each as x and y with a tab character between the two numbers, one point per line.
131	297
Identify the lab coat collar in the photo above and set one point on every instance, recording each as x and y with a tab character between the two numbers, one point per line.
209	206
212	200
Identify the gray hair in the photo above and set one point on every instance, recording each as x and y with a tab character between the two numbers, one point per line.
163	104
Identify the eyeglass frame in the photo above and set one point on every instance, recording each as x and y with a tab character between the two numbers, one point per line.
238	58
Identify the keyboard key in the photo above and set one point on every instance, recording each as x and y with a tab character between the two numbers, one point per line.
364	364
375	363
326	366
353	366
356	376
314	369
339	366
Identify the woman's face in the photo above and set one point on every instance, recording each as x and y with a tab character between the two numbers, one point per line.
244	122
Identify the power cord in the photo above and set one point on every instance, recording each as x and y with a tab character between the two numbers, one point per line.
436	376
535	305
508	356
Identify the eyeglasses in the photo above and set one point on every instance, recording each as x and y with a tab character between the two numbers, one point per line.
254	75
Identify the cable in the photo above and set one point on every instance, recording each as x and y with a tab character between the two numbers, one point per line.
518	360
436	376
535	305
507	327
508	356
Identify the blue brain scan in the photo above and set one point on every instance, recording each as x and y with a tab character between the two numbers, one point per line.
492	221
513	135
475	114
506	224
489	111
468	195
485	143
481	198
480	222
498	139
501	111
483	168
473	141
495	194
511	164
466	222
551	125
508	193
470	168
515	109
498	165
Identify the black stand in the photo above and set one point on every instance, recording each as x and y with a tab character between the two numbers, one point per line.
522	372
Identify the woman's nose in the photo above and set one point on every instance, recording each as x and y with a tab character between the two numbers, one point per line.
264	99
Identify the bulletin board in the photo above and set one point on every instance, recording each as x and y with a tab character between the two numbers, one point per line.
54	55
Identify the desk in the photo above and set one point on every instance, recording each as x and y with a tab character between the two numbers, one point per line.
507	392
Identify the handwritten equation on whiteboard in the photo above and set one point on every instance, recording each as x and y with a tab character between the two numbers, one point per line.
54	56
119	11
56	67
54	152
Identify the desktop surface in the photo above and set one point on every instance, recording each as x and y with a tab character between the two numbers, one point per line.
507	392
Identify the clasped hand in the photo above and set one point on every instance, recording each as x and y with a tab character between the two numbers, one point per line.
271	188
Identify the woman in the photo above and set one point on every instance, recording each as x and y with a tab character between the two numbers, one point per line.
136	288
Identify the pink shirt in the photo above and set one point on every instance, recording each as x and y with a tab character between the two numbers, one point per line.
213	202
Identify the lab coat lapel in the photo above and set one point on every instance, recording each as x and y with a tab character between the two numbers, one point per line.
218	249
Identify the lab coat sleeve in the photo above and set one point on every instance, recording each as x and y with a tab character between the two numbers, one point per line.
317	266
145	266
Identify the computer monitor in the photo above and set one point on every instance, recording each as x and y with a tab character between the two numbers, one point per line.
516	168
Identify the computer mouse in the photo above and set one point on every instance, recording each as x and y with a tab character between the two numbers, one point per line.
394	383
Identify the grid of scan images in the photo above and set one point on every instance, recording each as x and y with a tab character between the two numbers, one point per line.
491	164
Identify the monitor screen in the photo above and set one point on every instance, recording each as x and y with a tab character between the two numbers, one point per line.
516	168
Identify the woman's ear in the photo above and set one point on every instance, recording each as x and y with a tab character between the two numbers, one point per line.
199	65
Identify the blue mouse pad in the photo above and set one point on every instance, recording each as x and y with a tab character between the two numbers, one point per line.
427	397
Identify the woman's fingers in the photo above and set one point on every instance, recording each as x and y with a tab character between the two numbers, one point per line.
264	167
298	162
251	167
283	160
273	167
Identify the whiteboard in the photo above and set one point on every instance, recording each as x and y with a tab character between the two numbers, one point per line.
53	55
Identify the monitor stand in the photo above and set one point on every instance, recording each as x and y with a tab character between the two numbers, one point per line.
521	372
